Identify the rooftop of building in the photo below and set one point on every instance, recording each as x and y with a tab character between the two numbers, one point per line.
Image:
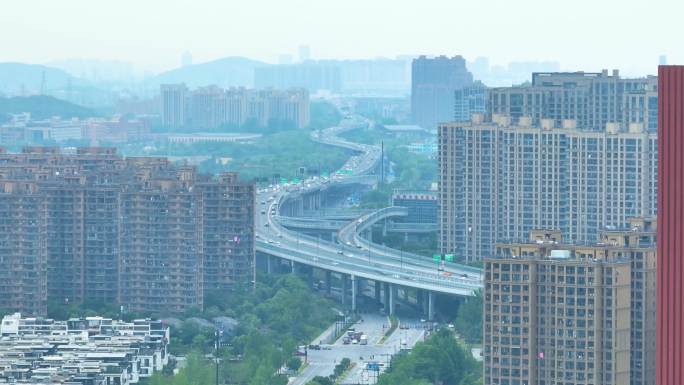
42	350
403	128
505	122
98	165
637	234
414	194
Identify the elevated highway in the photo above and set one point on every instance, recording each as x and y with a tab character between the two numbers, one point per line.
352	258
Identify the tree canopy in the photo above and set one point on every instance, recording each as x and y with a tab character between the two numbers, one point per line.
439	360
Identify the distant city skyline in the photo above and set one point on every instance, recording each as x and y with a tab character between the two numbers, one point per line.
497	29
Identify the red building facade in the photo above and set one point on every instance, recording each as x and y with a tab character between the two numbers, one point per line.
670	317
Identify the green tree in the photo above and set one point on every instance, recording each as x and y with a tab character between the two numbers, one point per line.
318	380
468	321
439	360
294	363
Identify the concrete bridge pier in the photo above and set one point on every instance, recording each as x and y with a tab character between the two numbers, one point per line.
354	289
385	295
420	301
328	281
377	291
344	288
269	268
309	275
431	306
392	298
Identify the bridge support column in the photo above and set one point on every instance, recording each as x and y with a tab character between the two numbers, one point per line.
392	298
310	276
431	306
269	268
292	267
385	294
420	302
328	281
344	288
377	291
354	289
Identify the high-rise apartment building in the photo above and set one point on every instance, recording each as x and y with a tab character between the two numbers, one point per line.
161	252
670	226
211	107
311	75
174	105
94	226
468	101
592	99
558	313
637	243
434	82
499	181
208	107
227	230
23	256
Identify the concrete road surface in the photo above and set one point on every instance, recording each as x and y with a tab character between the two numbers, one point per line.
322	362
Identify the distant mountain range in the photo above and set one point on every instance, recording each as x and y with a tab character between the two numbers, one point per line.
22	78
43	107
226	72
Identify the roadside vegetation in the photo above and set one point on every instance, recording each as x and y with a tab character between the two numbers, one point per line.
468	322
394	323
339	373
267	325
439	360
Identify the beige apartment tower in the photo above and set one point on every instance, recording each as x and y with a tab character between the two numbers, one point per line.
578	314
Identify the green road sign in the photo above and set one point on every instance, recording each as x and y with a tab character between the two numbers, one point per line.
436	257
449	257
283	180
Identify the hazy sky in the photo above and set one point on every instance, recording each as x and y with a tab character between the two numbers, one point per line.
580	34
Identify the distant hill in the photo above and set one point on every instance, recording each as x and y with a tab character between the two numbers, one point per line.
43	107
22	77
226	72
